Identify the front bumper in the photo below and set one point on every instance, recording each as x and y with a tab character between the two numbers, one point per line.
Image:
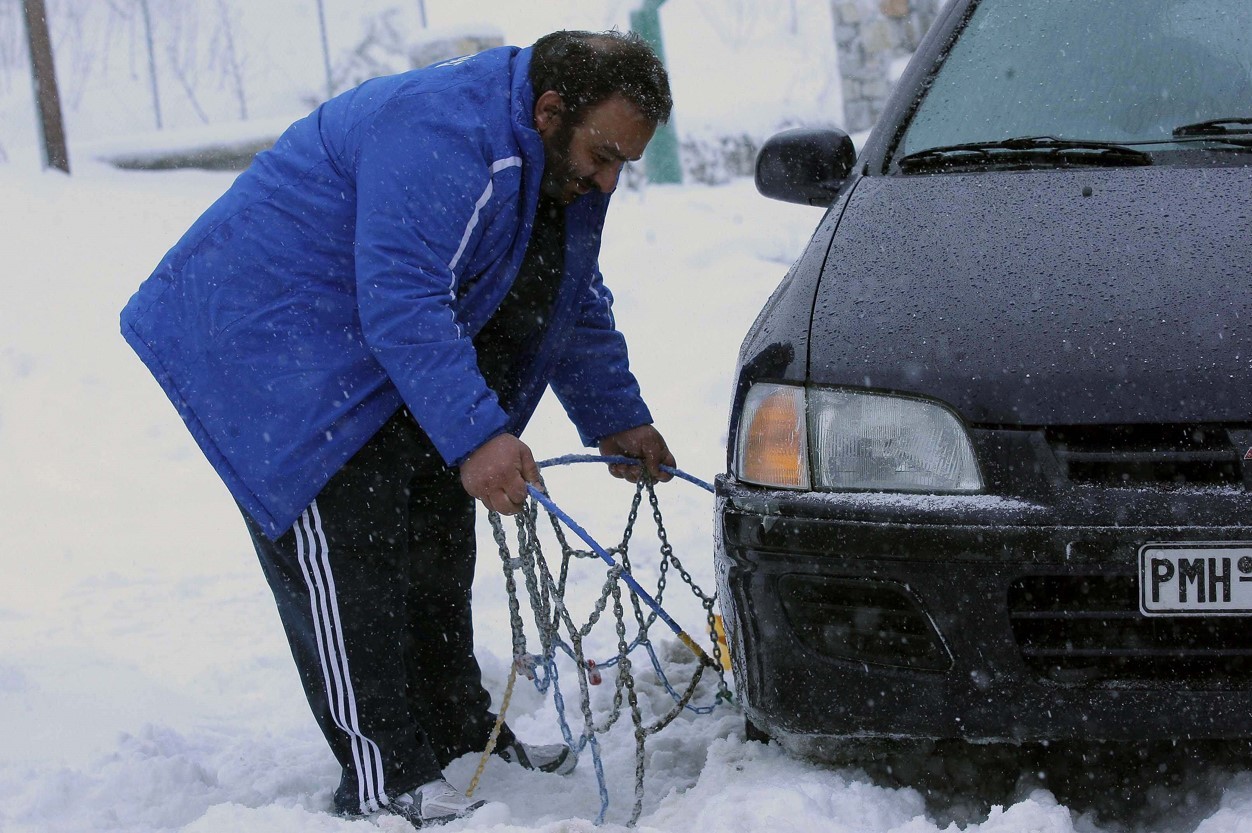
978	618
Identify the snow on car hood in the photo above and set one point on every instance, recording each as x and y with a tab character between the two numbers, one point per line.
1046	297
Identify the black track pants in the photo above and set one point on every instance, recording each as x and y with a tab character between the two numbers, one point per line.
373	588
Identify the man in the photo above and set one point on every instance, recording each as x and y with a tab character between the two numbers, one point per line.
356	333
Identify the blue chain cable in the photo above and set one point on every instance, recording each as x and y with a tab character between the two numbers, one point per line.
631	461
656	664
550	677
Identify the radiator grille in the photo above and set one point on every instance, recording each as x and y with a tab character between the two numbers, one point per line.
1139	455
1088	629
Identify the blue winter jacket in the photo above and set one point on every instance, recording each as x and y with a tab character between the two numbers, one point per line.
344	274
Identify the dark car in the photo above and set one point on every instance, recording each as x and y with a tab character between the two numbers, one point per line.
991	441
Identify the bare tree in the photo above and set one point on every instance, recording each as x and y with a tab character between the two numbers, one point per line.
735	21
78	62
129	15
183	53
382	50
321	22
152	65
12	43
85	34
229	53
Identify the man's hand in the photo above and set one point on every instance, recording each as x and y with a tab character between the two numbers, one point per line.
643	443
497	473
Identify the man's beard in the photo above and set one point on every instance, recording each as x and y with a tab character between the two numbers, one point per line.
558	171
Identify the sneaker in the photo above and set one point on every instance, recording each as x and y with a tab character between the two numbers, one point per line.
553	757
434	803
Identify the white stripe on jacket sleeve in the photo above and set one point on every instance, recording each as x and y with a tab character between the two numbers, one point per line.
496	167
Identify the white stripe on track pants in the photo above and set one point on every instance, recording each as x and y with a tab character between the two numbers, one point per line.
373	588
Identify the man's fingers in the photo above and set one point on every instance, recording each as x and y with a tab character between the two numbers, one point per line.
516	493
658	454
505	503
667	459
650	457
530	469
497	472
513	494
645	444
624	471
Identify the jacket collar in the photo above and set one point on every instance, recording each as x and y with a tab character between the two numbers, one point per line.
523	112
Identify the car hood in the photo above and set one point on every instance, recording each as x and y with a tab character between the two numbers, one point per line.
1046	297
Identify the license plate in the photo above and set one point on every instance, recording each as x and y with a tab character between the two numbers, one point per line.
1195	579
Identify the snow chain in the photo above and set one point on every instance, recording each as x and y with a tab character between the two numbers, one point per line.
552	619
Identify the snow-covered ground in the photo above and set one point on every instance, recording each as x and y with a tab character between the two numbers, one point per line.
144	681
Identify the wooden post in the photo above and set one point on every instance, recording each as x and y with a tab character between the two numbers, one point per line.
47	99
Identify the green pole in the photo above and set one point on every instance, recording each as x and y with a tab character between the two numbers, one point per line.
661	159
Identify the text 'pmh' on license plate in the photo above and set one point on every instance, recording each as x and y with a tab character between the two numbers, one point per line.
1195	579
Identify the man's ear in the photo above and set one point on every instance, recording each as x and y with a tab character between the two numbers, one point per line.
549	110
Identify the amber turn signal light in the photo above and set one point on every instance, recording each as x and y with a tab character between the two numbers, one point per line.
772	448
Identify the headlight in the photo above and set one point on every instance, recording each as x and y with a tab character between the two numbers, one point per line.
854	440
870	441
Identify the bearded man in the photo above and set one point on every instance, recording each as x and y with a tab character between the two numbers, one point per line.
356	334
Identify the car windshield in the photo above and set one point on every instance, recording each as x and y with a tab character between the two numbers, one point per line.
1093	70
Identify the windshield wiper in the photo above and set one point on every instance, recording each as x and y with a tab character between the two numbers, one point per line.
1216	127
1049	151
1234	131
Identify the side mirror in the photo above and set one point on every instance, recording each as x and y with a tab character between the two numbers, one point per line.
804	165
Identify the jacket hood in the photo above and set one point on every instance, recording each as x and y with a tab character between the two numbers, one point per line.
1046	297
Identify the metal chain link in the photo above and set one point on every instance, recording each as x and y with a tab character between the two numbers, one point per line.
546	593
708	602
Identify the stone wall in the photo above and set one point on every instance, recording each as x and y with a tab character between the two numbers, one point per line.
871	36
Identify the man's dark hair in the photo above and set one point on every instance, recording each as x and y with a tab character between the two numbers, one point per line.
586	68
